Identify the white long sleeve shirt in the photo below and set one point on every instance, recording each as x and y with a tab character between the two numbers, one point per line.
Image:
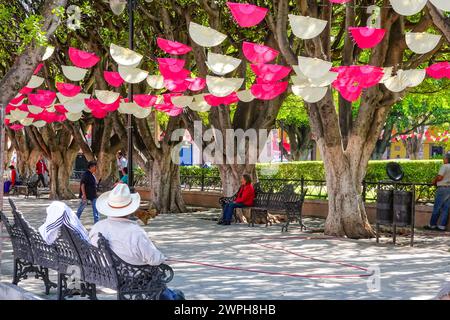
128	240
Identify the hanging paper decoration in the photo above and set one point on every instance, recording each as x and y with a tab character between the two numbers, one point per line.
313	67
83	59
34	109
199	104
131	74
125	56
176	85
196	84
222	87
17	100
443	5
16	127
268	91
439	70
270	72
408	7
48	53
173	65
172	47
366	37
214	101
60	108
73	116
117	6
205	36
18	115
257	53
174	112
106	96
26	122
310	94
404	79
415	77
247	15
145	100
96	105
25	90
421	42
35	82
323	81
74	73
43	98
182	101
38	68
76	104
245	95
387	73
155	81
221	64
306	27
339	1
113	78
39	124
68	89
128	108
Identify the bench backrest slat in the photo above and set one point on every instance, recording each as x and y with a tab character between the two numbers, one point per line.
19	240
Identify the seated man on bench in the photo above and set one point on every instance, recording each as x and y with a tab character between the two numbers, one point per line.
244	198
126	238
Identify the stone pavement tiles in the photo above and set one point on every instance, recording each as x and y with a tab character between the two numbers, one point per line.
295	265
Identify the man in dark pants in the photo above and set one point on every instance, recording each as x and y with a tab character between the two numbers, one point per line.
88	190
41	168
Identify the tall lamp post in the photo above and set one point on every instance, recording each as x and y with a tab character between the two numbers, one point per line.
131	7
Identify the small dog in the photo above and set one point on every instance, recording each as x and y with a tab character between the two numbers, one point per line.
145	215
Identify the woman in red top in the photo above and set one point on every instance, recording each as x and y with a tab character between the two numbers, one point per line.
11	182
244	198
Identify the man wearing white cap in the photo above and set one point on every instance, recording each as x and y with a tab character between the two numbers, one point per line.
126	238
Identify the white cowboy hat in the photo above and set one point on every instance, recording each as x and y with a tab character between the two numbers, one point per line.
119	202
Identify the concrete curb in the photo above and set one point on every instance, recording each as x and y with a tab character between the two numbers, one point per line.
10	291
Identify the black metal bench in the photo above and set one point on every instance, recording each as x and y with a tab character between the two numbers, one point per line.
286	202
80	265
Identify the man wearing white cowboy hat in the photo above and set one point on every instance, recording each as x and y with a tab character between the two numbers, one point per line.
126	238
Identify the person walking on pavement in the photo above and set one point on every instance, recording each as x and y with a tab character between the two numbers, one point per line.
122	162
41	168
88	190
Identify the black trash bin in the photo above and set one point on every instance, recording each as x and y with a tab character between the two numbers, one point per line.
385	210
403	208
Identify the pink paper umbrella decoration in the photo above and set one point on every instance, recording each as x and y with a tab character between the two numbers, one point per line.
174	65
439	70
18	99
113	78
167	73
16	127
339	1
247	15
196	84
7	122
68	89
268	91
96	105
83	59
48	117
366	37
9	108
214	101
38	68
60	108
270	72
258	53
174	112
172	47
99	114
145	100
168	99
176	85
25	90
42	99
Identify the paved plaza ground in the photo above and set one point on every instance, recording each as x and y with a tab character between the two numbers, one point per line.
263	263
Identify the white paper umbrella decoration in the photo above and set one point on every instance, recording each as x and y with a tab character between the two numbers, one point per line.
39	123
310	94
421	42
124	56
48	53
142	113
26	122
34	109
129	107
74	73
221	64
306	27
35	82
18	115
199	104
326	80
443	5
155	81
415	77
62	98
131	74
387	74
245	95
106	96
117	6
76	104
222	87
408	7
205	36
182	101
398	82
313	67
73	116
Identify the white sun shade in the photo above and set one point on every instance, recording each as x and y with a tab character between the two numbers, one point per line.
313	67
106	96
73	116
205	36
222	87
245	96
421	42
48	53
408	7
310	94
306	27
131	74
35	82
443	5
34	109
155	81
39	123
182	101
74	73
124	56
221	64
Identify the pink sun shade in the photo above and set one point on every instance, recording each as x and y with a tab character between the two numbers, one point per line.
214	101
113	78
172	47
439	70
67	89
270	72
268	91
257	53
247	15
366	37
145	100
42	99
82	59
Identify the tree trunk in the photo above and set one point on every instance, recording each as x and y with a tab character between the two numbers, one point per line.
60	169
165	188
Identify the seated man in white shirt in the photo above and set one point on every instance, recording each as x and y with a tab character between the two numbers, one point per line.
125	237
